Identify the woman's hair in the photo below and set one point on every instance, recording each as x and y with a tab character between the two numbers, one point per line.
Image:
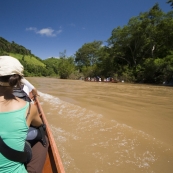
7	91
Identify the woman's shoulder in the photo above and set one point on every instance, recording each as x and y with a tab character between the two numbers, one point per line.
19	101
16	104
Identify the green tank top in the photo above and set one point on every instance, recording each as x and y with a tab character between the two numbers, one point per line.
13	131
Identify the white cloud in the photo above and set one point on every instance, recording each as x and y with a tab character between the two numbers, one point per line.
49	32
31	29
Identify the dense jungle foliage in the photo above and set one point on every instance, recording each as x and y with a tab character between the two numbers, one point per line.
141	51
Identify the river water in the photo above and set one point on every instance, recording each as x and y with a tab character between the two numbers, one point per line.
109	127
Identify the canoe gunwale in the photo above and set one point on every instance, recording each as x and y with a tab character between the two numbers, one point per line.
52	145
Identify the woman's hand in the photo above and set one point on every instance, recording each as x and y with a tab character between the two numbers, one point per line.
34	92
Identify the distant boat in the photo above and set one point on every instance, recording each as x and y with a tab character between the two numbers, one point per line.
98	79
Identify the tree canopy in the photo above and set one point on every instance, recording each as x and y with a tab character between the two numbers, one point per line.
171	2
145	42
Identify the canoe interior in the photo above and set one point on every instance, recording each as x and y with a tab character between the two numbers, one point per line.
50	166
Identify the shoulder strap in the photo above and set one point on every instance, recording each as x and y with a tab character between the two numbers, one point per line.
11	154
20	93
28	111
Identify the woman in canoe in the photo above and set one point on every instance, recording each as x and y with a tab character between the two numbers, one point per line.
16	115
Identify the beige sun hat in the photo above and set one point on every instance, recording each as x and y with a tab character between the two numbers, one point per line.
10	65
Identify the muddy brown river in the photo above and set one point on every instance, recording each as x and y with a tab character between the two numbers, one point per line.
109	127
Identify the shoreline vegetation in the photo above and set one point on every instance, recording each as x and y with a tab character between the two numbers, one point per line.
139	52
113	82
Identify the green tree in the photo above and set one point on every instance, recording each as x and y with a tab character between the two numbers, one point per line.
171	3
66	67
137	40
148	35
105	65
87	55
52	65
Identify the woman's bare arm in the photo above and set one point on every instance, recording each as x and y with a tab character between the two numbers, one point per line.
34	117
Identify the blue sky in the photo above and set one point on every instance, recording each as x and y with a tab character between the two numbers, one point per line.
49	27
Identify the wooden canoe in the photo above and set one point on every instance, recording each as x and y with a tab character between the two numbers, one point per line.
53	163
